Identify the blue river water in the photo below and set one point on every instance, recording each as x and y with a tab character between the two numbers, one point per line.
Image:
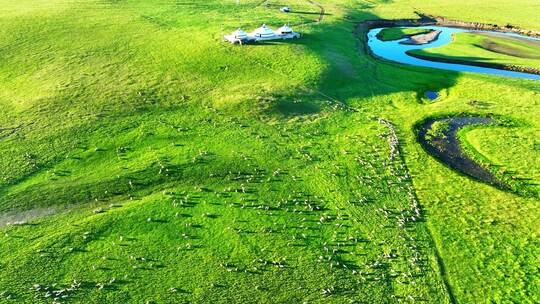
395	51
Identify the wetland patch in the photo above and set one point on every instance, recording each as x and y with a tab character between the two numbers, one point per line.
438	136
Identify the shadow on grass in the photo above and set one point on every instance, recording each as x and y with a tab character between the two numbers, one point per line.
354	73
351	72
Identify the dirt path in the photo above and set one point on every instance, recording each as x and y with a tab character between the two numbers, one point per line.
320	14
263	2
322	10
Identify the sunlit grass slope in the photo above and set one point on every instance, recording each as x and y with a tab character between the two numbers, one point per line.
515	155
145	160
500	12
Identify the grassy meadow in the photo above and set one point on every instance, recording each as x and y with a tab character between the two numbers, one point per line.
144	160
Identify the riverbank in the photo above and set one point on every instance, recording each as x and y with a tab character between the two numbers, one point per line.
443	138
442	21
499	66
395	51
427	20
438	136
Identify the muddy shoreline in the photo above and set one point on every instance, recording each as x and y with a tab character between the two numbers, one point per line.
445	146
364	29
427	20
499	66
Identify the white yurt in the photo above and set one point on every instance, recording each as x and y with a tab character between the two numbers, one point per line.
285	30
264	32
240	34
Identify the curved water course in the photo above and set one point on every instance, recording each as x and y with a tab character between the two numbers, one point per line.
445	146
396	51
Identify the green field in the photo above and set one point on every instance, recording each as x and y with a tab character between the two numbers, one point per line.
144	160
520	146
488	48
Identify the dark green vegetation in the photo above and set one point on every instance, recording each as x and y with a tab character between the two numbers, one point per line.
486	50
400	33
143	159
445	138
438	129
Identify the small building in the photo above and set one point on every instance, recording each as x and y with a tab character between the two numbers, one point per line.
285	32
285	9
238	36
264	33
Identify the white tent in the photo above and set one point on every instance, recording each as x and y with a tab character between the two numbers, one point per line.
264	32
240	34
284	30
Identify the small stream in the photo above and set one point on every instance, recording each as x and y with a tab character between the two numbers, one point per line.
447	148
397	52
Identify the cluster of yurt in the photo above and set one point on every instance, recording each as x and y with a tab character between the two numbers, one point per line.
263	33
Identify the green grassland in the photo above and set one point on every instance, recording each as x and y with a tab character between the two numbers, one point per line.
500	12
488	48
145	160
521	145
399	33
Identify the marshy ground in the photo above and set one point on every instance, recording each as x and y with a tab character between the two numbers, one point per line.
439	137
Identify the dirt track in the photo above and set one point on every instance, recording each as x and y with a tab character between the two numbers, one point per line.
320	15
322	10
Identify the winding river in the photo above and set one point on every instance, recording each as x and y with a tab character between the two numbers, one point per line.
397	52
447	147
